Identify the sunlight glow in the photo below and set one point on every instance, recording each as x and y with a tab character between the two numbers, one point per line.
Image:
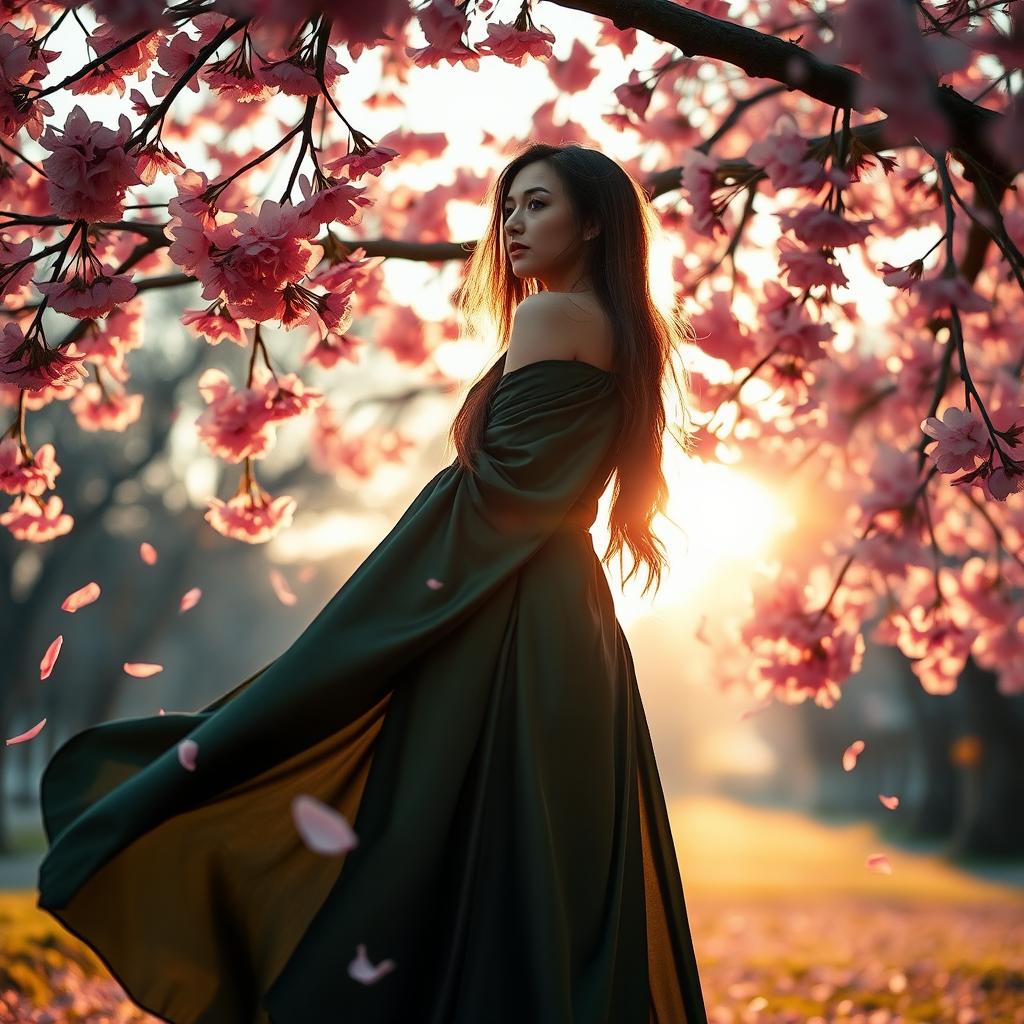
726	524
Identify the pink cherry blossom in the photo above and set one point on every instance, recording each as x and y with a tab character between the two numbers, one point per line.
331	348
97	408
337	201
576	73
174	55
91	295
514	46
797	652
214	327
355	165
30	364
720	333
235	77
295	75
893	478
805	268
790	327
902	277
21	65
961	437
28	520
15	278
443	24
147	553
898	72
133	60
21	475
634	95
357	456
107	341
189	599
938	294
253	520
783	155
936	646
88	169
236	423
250	260
444	27
698	182
816	226
301	306
287	396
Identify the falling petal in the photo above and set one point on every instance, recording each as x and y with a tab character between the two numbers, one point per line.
189	599
81	597
142	669
892	802
187	750
161	712
850	755
434	584
46	665
281	588
147	553
880	863
34	731
756	710
306	573
322	828
360	969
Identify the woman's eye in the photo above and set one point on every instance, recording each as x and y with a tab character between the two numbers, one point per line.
508	212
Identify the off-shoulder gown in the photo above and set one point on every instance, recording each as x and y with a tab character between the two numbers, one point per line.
485	739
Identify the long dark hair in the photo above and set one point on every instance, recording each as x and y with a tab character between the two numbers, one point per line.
645	337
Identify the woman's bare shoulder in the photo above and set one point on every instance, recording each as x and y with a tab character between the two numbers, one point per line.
593	336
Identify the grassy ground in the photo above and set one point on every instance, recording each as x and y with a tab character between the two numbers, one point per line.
789	923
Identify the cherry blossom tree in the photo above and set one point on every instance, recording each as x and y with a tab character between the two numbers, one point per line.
854	128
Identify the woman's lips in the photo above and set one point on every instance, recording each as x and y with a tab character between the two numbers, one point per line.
517	250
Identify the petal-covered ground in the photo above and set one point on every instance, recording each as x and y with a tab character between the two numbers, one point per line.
790	926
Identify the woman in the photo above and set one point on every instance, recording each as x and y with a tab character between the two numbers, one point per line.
467	701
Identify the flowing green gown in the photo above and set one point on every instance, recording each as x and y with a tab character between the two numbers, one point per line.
485	738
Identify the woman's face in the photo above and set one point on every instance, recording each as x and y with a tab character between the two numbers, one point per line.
537	215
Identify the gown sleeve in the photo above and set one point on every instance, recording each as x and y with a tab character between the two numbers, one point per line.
550	428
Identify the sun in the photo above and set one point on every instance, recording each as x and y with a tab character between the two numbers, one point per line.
719	521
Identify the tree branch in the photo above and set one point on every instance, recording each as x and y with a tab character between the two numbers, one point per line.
764	56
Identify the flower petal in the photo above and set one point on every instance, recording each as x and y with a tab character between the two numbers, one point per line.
34	731
187	750
322	828
360	969
81	597
850	755
142	669
880	863
281	589
46	665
